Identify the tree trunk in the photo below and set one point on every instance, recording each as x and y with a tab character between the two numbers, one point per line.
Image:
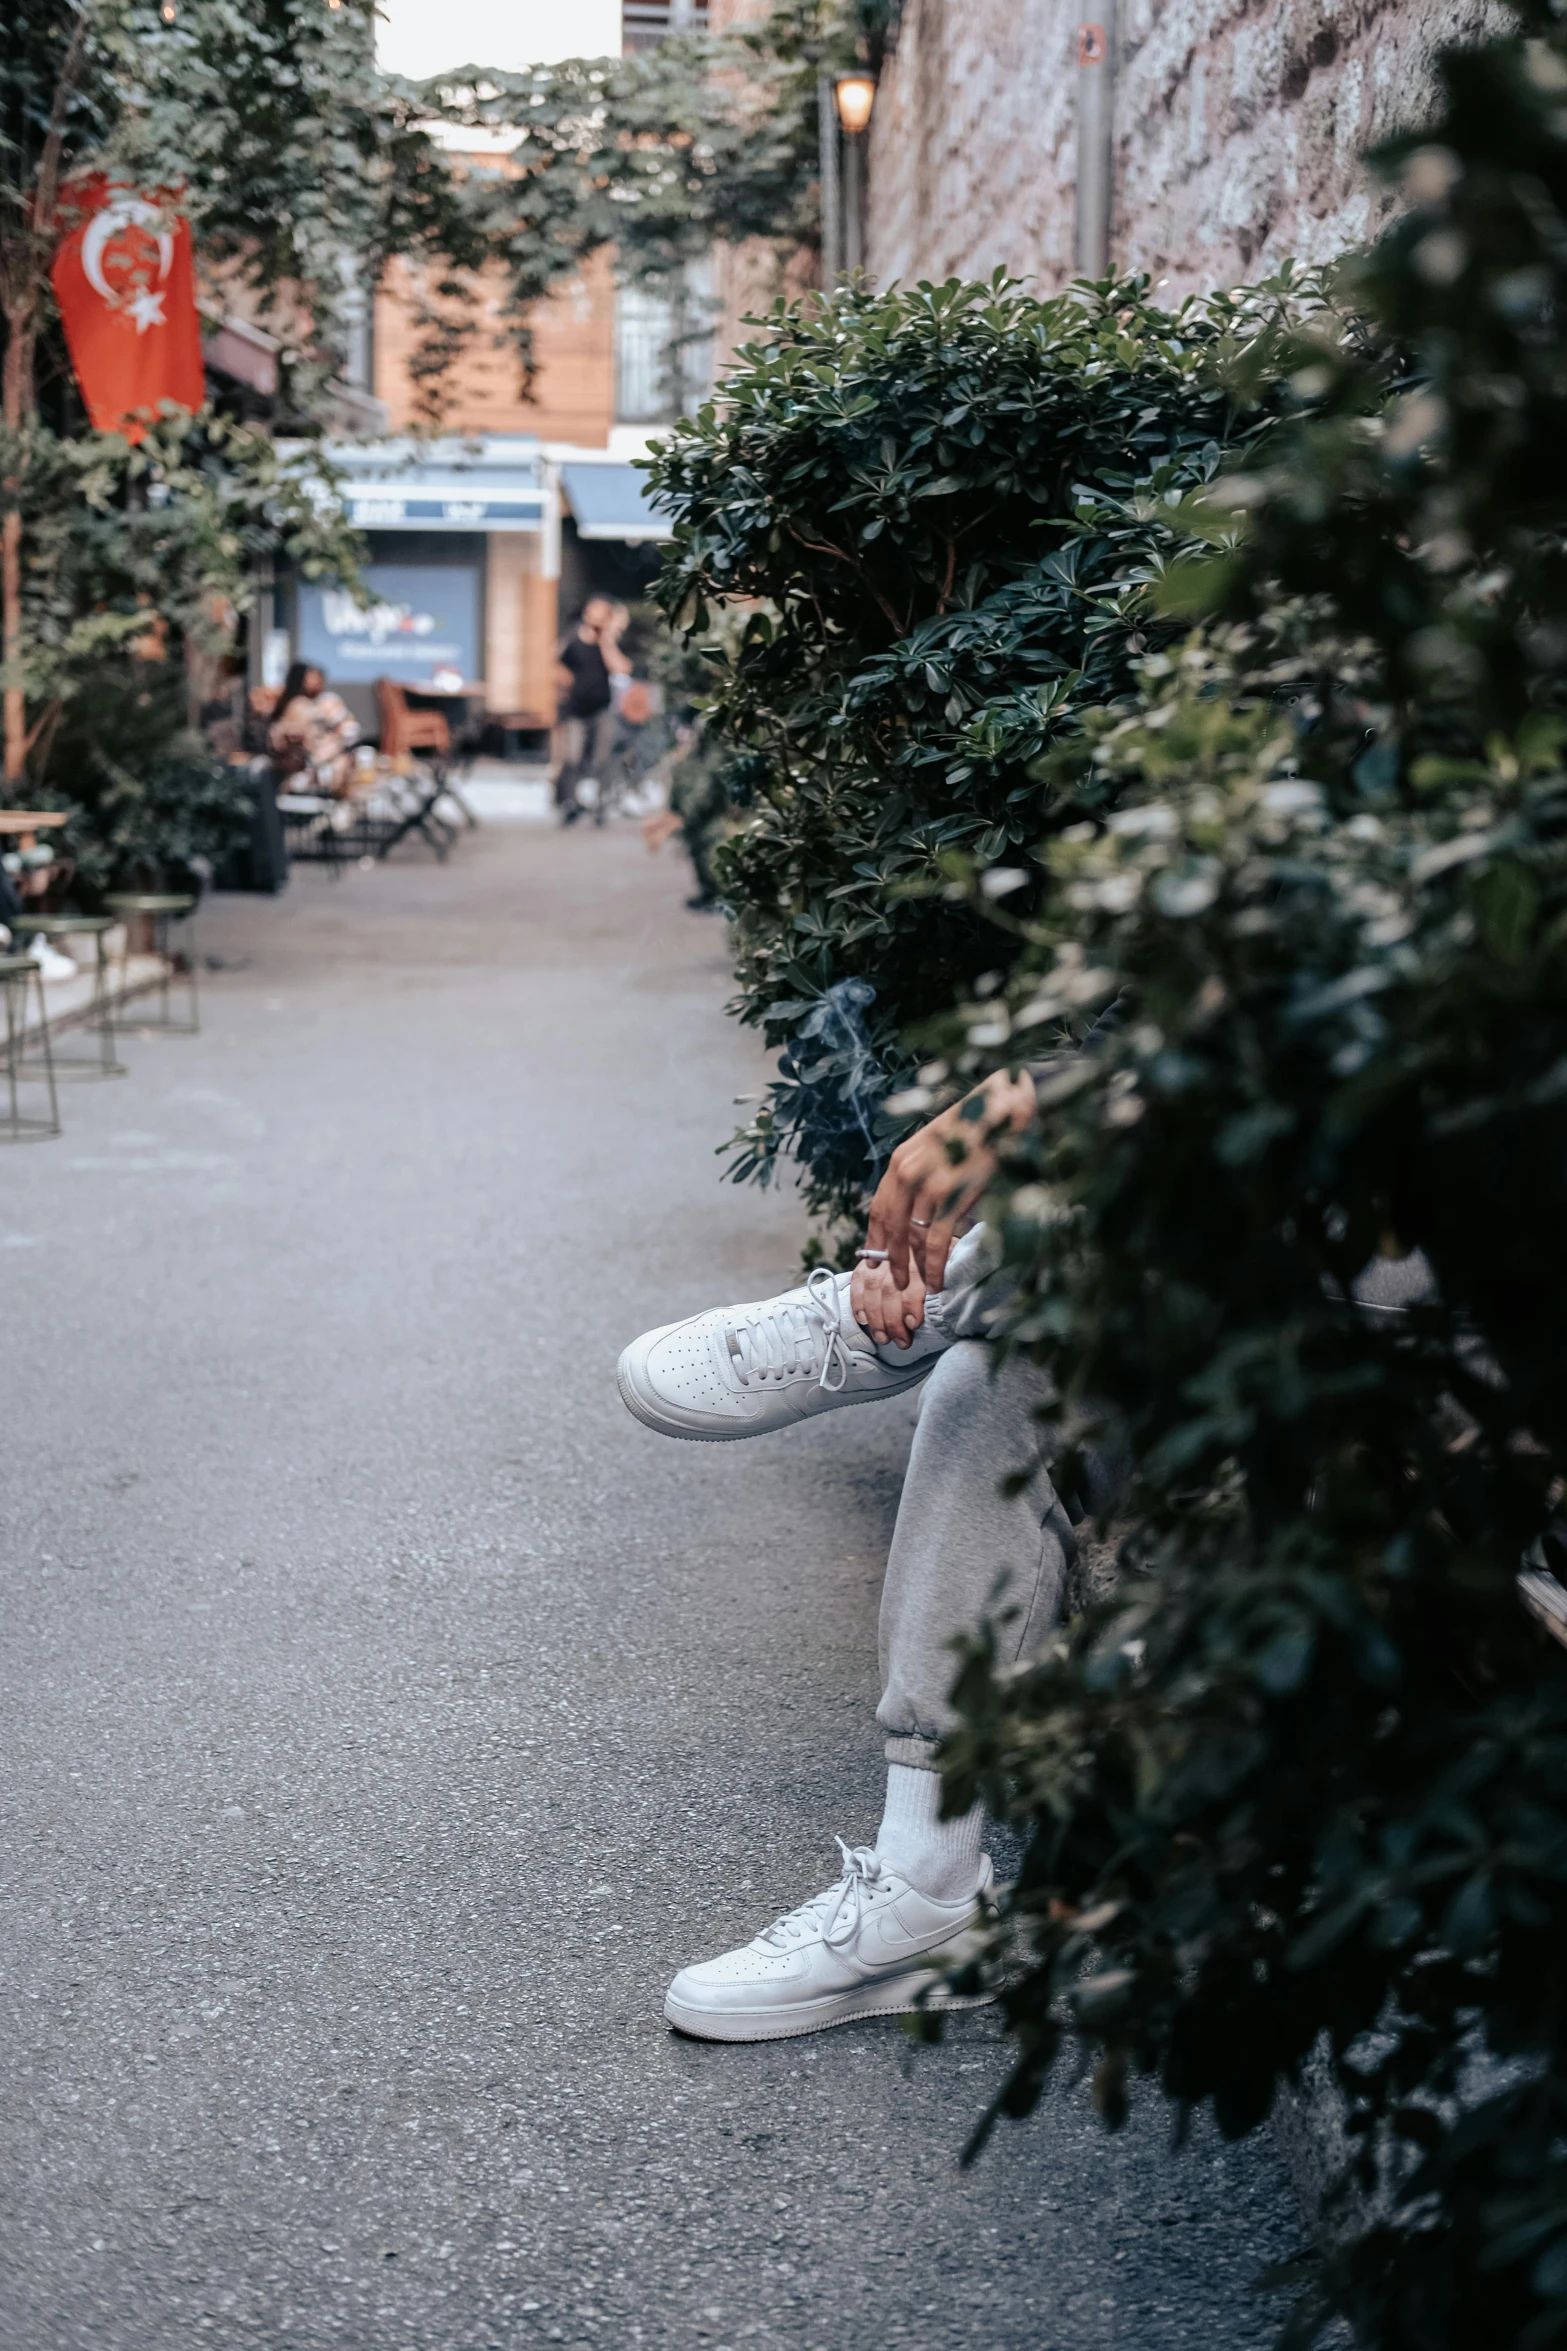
11	599
19	401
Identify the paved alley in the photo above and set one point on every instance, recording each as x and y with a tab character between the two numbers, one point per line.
385	1716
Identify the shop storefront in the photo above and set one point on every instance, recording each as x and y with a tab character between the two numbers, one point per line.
464	540
465	571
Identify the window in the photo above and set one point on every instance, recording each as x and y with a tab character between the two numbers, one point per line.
664	348
643	23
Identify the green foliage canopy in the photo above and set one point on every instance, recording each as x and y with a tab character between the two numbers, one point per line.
127	546
299	167
945	506
659	156
662	153
305	173
264	119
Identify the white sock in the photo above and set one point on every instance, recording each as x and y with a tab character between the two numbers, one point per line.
940	1858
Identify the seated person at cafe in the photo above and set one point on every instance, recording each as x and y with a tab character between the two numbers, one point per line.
313	728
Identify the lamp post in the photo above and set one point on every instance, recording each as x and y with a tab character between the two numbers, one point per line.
831	185
854	95
1095	130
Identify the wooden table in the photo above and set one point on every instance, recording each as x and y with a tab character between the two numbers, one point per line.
28	823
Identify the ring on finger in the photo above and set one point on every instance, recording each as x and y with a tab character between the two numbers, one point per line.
922	1221
871	1256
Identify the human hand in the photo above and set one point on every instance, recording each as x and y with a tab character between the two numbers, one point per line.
882	1308
932	1181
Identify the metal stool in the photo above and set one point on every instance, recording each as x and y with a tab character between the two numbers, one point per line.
163	909
105	1063
15	1127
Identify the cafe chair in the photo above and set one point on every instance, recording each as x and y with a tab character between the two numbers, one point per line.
417	744
404	730
101	1060
20	974
156	912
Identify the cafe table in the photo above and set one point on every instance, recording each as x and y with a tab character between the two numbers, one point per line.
19	829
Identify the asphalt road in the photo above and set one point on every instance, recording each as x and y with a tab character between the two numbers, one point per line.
384	1715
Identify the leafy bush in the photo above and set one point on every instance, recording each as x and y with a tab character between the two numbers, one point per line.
166	535
133	560
945	505
151	806
1307	1772
289	157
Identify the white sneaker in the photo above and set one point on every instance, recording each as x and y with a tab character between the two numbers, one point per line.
738	1371
862	1948
52	965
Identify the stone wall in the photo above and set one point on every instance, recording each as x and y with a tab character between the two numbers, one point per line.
1239	128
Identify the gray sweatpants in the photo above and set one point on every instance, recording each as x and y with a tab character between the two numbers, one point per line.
981	1421
957	1531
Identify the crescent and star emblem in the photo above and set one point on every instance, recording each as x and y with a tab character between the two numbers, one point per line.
145	306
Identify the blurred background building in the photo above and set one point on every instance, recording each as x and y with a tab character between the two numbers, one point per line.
486	541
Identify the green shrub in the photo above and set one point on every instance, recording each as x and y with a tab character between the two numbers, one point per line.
129	551
945	505
151	805
1307	1773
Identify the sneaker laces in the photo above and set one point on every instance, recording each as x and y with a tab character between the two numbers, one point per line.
781	1340
838	1923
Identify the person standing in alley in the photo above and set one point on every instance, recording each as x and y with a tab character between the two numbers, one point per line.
587	657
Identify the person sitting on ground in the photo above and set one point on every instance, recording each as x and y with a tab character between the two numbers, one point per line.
312	728
919	1307
585	660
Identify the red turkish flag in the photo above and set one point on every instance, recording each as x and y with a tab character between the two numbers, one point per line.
127	296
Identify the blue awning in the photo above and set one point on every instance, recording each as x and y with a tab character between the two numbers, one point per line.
611	502
493	482
441	506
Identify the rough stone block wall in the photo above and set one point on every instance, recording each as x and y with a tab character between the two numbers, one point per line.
1239	130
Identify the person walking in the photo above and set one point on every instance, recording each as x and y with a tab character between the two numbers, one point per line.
586	659
919	1310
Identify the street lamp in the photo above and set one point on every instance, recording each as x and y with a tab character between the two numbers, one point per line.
855	94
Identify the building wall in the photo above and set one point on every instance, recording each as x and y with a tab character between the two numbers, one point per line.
521	623
749	278
573	396
1239	127
572	400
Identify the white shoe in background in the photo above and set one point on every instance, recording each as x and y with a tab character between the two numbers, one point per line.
51	963
864	1947
738	1371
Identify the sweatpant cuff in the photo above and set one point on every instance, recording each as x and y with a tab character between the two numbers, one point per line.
918	1754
